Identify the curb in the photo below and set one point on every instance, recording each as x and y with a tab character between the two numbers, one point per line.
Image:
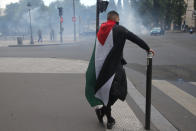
157	119
35	45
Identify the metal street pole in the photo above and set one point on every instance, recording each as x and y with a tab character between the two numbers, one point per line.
194	15
31	39
61	31
61	21
148	91
101	7
97	16
79	25
74	21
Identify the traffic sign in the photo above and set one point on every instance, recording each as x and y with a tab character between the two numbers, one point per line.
61	19
73	19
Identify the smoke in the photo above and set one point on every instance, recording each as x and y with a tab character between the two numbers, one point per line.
131	20
46	18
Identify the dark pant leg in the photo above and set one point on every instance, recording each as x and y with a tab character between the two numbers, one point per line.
107	109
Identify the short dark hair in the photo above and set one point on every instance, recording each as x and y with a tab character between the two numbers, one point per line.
111	14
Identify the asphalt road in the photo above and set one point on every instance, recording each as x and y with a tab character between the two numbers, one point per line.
175	54
174	62
45	102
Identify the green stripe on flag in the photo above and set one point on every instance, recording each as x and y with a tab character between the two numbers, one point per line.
91	82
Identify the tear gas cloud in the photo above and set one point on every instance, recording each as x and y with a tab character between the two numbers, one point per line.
15	20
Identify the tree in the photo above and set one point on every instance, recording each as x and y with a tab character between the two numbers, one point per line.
159	12
179	9
16	15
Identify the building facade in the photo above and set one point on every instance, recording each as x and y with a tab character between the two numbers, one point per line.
190	19
1	12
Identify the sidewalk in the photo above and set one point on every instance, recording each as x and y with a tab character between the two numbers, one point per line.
47	94
13	43
26	43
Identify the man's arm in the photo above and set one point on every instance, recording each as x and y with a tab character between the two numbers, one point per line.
132	37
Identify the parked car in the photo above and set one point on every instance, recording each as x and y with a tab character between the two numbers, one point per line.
157	31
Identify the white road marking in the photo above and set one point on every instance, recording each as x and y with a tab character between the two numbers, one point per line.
184	99
193	83
157	118
125	117
42	65
126	120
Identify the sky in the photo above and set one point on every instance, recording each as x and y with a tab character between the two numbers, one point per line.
3	3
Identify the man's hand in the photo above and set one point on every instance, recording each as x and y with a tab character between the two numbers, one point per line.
151	51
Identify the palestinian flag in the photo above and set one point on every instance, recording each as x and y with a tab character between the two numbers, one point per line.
101	69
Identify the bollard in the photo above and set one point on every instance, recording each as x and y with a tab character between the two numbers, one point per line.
19	40
148	90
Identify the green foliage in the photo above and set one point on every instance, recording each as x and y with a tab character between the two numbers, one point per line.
161	12
179	9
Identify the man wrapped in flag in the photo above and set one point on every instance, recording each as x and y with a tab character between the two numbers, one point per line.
105	77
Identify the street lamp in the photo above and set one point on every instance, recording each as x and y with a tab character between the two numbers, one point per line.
74	20
29	5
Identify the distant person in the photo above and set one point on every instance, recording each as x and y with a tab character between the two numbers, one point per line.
191	30
106	80
162	31
39	36
52	34
183	28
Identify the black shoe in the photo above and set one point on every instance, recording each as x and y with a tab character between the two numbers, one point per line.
111	123
100	115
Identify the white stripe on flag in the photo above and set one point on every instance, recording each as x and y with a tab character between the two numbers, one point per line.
181	97
102	52
104	92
